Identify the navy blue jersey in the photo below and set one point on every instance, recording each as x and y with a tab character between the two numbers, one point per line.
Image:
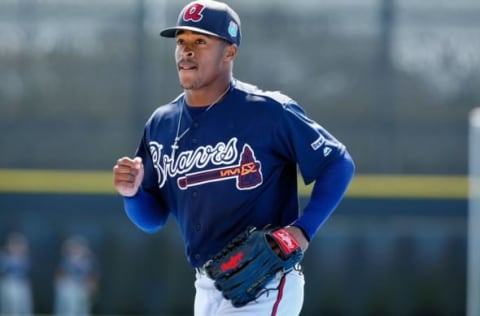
78	268
14	266
235	166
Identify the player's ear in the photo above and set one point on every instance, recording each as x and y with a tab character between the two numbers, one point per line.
231	52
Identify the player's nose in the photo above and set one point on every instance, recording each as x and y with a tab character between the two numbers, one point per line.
184	56
186	51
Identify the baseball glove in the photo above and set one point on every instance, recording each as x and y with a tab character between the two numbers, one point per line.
251	260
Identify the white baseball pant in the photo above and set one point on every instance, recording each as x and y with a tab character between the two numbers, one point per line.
285	298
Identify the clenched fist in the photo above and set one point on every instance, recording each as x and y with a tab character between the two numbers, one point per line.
128	175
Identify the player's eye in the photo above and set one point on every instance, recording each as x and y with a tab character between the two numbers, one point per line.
200	41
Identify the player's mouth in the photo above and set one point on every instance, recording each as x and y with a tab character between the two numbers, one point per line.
182	66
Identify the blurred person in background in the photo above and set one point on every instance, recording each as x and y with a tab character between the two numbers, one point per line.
15	286
76	278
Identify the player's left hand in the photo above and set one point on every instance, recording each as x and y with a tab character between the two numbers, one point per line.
299	236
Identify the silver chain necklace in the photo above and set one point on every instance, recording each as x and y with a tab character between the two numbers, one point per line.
179	137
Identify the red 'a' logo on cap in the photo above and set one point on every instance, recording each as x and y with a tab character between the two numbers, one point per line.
193	12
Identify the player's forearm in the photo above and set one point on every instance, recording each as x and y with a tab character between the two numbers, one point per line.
328	190
145	211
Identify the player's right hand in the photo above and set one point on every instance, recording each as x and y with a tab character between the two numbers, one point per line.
128	175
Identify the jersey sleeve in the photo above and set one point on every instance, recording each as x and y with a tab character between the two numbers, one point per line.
147	209
328	190
306	143
321	158
150	181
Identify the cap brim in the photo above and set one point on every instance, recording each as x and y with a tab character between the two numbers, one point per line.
172	31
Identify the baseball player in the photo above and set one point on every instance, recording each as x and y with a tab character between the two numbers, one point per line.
222	159
16	297
76	278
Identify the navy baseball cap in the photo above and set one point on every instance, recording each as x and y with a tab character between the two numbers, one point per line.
208	17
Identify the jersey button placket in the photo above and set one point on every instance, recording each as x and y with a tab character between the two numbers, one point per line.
194	139
198	227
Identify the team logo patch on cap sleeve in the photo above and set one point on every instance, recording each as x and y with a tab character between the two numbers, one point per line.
233	29
194	12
